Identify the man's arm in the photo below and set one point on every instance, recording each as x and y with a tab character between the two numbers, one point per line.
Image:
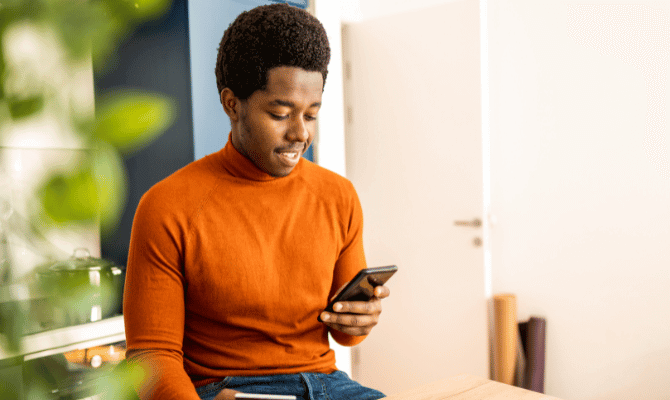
353	320
153	306
163	375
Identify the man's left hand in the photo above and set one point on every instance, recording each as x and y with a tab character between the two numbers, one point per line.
356	318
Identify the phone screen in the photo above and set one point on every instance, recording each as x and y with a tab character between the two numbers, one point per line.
362	287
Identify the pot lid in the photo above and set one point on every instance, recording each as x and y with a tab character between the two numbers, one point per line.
81	259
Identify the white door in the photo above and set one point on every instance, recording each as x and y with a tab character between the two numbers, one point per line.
414	153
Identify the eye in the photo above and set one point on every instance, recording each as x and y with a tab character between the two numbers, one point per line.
310	117
278	117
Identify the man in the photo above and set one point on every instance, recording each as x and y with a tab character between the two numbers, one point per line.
234	257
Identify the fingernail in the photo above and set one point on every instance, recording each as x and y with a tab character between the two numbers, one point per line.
337	307
325	317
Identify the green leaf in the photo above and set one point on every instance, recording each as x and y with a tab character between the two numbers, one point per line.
96	190
87	28
140	9
105	39
70	198
23	108
11	3
12	320
2	72
10	392
129	120
121	382
73	22
110	181
9	9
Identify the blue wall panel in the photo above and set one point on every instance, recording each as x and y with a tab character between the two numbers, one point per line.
153	58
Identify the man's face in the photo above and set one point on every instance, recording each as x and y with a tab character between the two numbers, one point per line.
277	125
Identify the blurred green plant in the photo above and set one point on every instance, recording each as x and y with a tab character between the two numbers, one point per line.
66	34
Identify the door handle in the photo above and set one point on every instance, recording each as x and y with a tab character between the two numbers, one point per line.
475	223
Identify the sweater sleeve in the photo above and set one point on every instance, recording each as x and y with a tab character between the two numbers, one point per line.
351	259
153	305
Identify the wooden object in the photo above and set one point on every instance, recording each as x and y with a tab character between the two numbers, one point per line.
468	387
506	331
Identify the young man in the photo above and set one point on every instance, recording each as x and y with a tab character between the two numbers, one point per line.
233	257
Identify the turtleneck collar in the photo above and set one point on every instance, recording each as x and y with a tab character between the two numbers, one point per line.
239	166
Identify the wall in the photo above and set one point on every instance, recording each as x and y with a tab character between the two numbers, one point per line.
153	58
210	124
329	147
359	10
579	189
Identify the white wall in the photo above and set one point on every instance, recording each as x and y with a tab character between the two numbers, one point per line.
583	216
359	10
329	146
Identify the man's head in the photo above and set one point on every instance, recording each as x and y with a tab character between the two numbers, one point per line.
267	37
270	72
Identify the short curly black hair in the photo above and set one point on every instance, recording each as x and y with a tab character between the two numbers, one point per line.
266	37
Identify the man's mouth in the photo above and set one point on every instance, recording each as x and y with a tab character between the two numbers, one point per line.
289	156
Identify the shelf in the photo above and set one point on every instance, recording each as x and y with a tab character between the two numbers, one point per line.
109	330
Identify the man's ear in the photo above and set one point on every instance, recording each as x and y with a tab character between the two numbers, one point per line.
231	104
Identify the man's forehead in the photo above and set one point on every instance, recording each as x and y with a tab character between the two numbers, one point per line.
294	78
289	103
292	87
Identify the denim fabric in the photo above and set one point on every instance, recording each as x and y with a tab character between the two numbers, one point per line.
305	386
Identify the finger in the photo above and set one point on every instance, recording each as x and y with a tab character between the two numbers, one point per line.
374	306
352	330
382	292
350	319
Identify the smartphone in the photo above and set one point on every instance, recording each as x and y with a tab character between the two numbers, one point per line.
362	287
264	396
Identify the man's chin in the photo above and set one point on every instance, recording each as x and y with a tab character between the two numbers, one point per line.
281	165
280	173
276	170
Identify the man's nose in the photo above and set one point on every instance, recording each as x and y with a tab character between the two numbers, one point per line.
298	130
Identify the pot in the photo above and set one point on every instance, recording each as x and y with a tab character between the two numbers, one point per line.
85	288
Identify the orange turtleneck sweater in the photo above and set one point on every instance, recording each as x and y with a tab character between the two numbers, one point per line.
229	268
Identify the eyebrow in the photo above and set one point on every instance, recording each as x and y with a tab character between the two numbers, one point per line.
285	103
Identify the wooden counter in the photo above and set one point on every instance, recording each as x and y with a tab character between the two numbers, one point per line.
467	387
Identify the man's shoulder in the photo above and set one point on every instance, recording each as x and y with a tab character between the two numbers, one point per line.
183	187
326	182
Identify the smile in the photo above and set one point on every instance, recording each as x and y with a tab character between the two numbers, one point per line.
290	158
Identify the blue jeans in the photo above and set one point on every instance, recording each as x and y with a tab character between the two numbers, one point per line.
305	386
